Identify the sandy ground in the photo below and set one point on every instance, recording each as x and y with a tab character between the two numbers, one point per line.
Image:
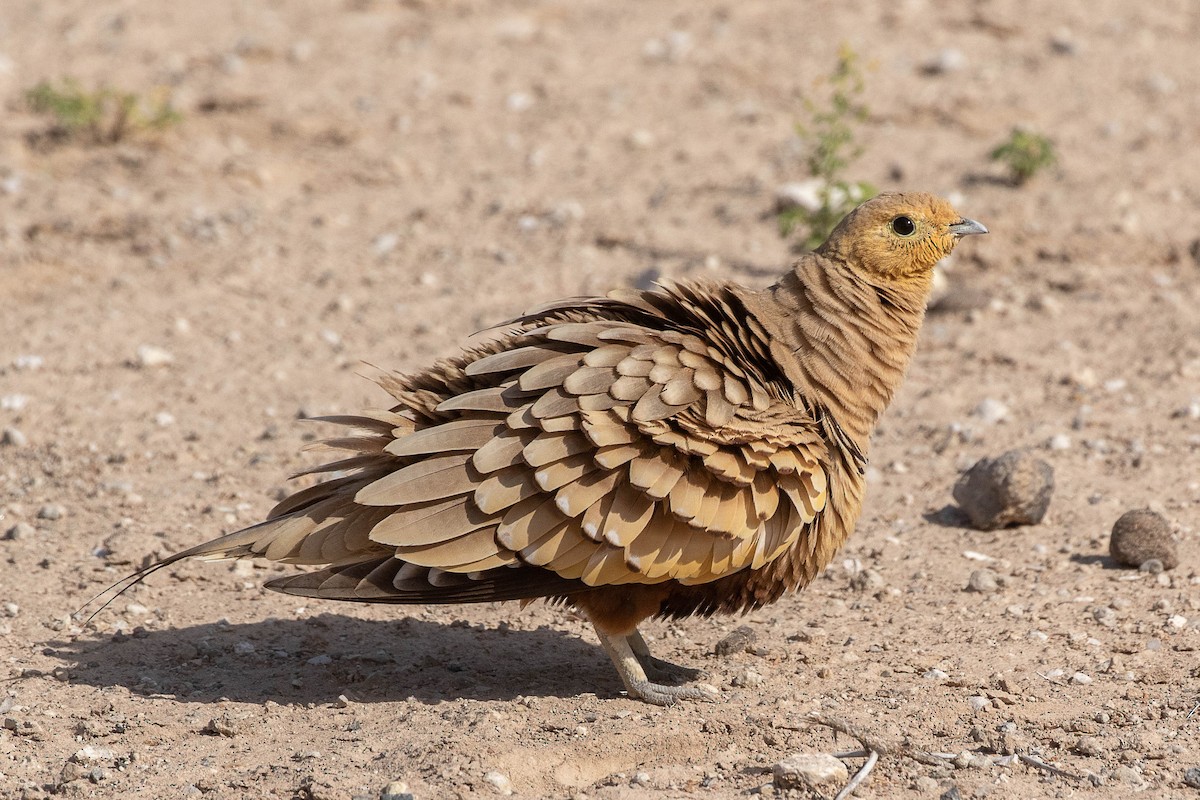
371	181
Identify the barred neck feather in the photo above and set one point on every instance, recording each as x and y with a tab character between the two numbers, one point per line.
844	343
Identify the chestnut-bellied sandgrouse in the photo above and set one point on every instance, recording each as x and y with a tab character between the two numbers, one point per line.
695	449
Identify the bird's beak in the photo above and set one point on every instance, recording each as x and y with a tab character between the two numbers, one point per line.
965	227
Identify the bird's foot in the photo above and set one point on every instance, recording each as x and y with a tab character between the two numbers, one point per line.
662	670
662	695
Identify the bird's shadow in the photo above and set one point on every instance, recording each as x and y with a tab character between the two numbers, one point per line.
314	660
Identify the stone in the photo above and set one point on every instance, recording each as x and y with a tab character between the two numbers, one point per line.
735	642
1013	489
984	581
150	356
500	782
1141	536
396	790
11	437
809	771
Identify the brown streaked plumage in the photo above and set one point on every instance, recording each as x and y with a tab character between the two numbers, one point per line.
691	450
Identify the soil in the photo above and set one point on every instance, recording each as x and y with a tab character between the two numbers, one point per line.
371	181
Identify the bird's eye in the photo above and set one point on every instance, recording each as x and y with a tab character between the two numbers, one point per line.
903	226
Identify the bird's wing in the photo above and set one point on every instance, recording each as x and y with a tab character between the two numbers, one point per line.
606	451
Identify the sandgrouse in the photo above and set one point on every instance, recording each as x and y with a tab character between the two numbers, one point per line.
690	450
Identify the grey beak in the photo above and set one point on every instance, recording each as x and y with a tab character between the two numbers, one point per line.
965	227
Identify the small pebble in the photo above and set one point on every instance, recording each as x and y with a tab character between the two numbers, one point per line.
22	530
991	411
499	782
978	702
1013	489
1192	777
1060	441
50	511
1089	746
984	581
1141	535
949	60
736	641
12	437
11	609
1105	616
809	771
926	785
749	678
396	790
1081	679
149	356
385	243
225	725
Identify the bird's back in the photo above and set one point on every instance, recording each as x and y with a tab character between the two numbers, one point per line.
645	439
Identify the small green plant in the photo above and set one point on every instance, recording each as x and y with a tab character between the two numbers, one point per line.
831	144
1025	153
102	116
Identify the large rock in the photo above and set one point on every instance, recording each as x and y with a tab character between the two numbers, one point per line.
1013	489
1140	536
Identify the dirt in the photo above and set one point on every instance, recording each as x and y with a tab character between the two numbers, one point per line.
373	181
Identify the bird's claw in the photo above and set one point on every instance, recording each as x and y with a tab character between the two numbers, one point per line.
666	670
660	695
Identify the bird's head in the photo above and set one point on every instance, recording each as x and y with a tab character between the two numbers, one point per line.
898	237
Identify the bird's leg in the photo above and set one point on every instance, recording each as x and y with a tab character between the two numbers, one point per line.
633	675
657	666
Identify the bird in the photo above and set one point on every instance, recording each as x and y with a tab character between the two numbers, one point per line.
693	449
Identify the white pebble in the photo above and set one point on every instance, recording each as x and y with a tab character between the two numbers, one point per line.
949	60
1081	679
1177	621
991	411
13	402
11	609
149	356
519	101
164	419
499	782
385	243
978	702
28	362
1060	441
320	661
243	648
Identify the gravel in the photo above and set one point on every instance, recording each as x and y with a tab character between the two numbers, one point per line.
1013	489
1141	536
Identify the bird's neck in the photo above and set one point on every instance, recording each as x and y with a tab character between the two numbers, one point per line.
845	344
